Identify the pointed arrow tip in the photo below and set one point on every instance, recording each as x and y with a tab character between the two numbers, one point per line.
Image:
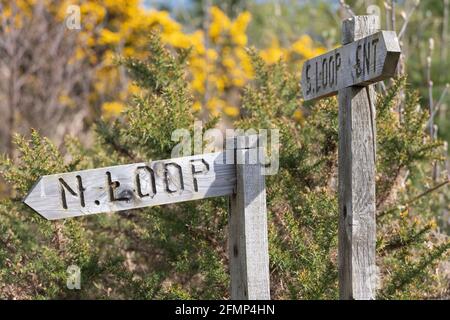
35	191
26	199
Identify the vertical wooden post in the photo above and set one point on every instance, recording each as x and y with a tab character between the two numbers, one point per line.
248	240
357	151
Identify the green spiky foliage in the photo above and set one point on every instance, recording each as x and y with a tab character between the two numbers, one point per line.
180	251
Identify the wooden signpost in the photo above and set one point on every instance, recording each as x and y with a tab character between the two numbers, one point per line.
367	56
358	63
132	186
196	177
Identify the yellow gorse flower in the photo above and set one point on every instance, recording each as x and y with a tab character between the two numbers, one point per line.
219	23
238	27
112	108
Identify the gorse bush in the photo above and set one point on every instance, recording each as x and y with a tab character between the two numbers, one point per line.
180	251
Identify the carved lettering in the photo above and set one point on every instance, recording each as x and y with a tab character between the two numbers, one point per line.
125	195
198	166
374	44
366	58
173	177
308	79
358	61
331	70
325	74
65	186
149	190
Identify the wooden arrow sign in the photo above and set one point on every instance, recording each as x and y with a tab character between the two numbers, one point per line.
365	61
132	186
175	180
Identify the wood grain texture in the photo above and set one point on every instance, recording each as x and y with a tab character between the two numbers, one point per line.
368	60
132	186
357	151
248	235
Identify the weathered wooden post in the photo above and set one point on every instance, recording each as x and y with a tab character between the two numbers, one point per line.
357	153
367	56
160	182
248	241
